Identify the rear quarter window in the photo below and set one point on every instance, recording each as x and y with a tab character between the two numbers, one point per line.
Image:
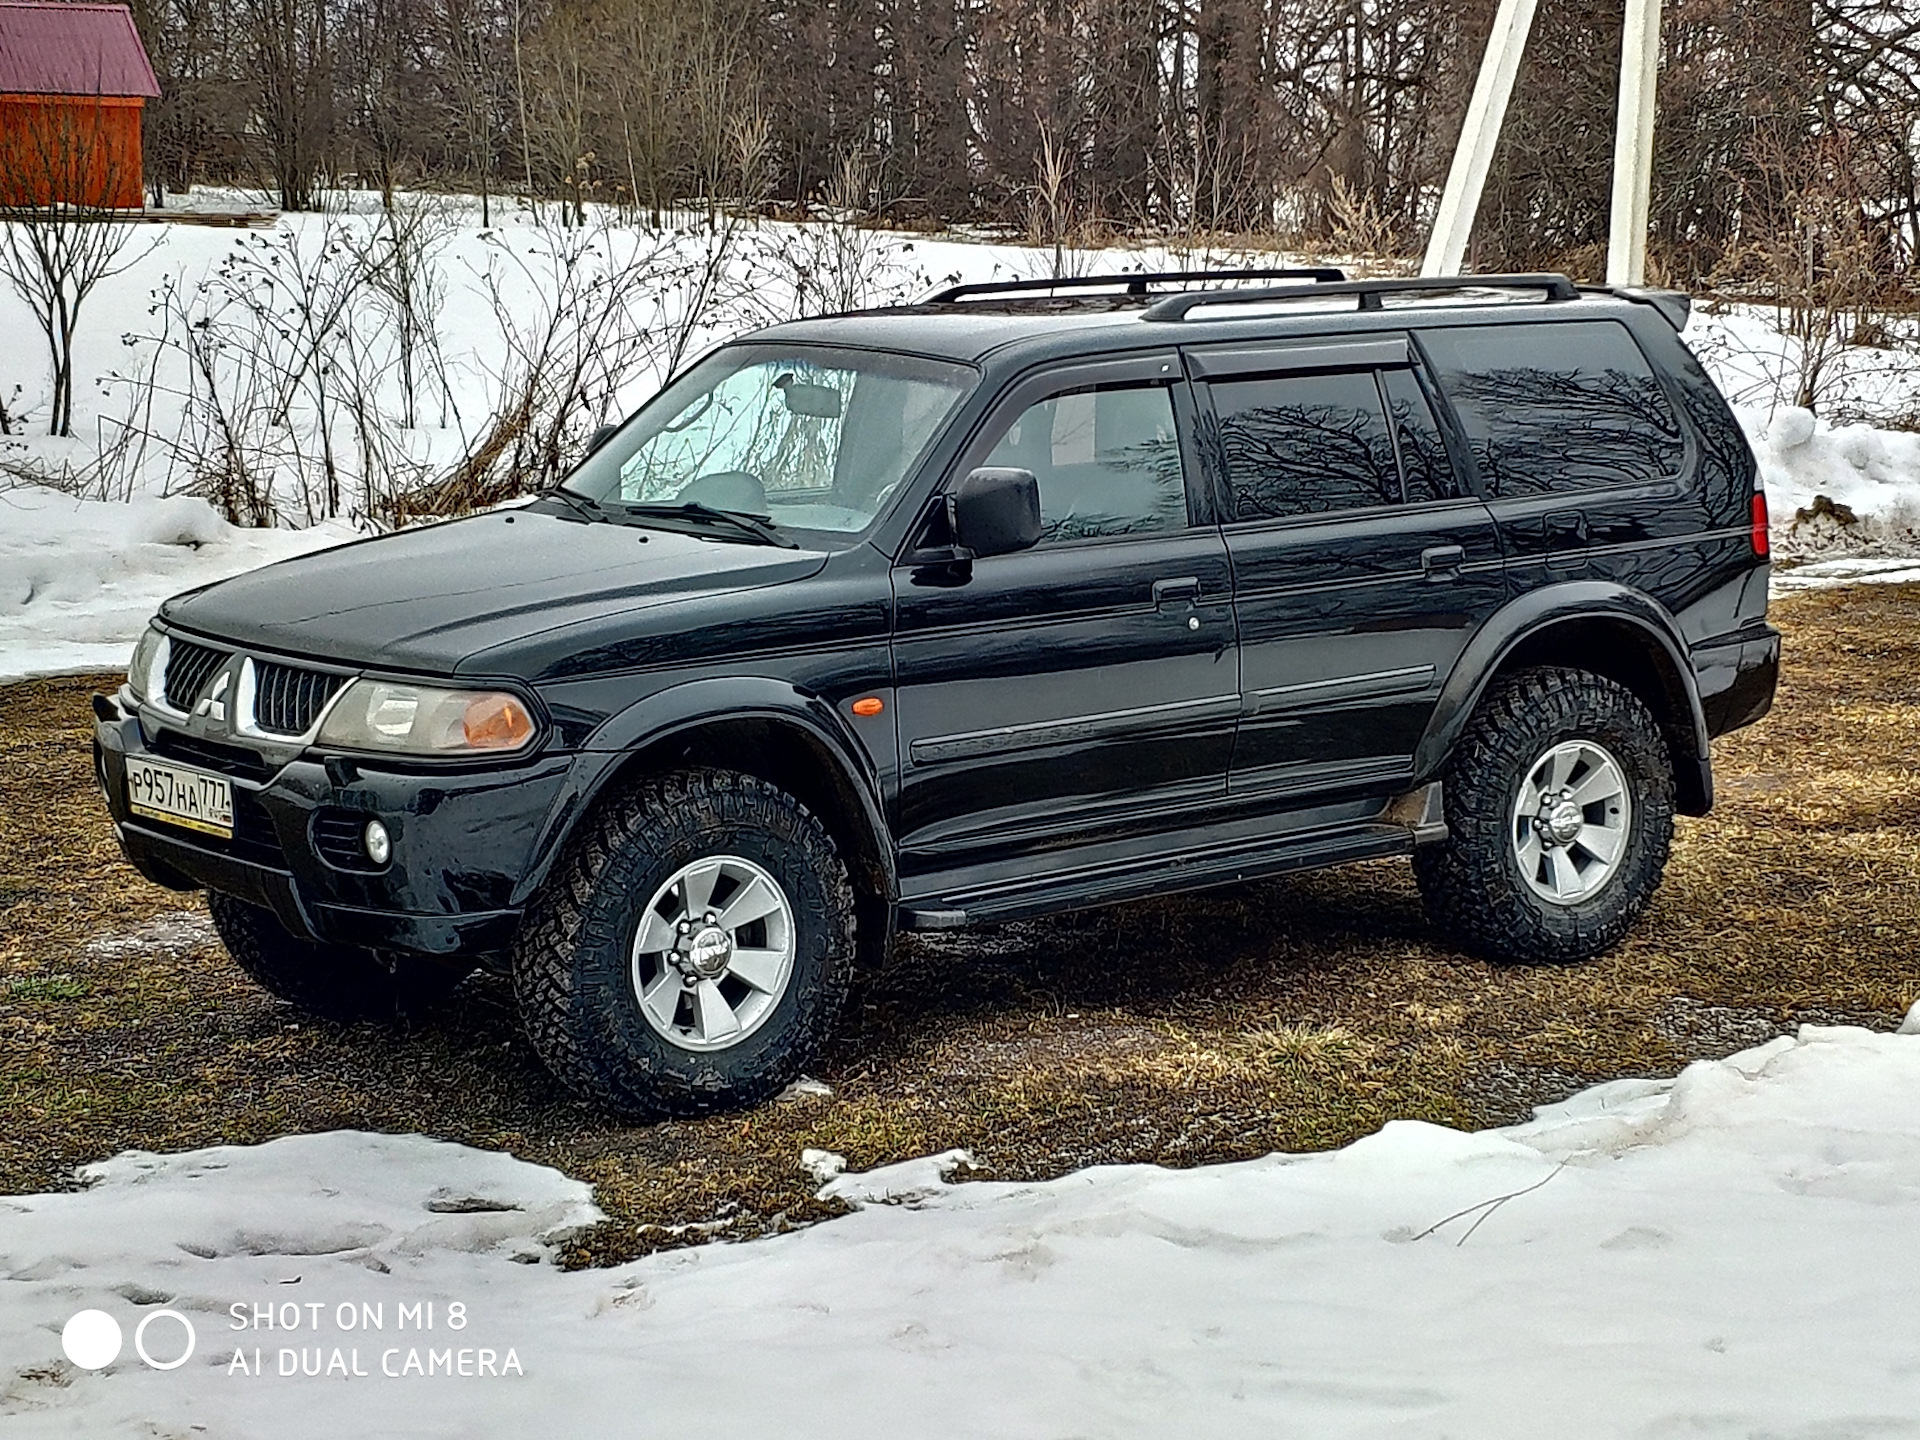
1570	405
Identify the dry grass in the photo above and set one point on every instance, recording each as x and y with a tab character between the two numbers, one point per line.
1296	1014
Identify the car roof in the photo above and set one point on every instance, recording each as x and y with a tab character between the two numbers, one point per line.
1027	331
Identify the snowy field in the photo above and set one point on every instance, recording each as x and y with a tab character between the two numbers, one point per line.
1729	1253
79	577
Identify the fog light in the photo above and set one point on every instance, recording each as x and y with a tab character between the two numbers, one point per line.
379	847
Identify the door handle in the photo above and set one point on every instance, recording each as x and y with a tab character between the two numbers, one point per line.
1443	562
1186	590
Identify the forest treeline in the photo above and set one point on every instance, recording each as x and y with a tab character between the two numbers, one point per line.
1790	123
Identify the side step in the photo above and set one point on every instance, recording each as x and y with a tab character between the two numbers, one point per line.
1415	818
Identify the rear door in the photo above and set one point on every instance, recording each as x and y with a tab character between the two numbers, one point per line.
1362	565
1087	689
1579	447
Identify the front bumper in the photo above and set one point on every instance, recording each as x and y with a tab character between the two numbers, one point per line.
468	845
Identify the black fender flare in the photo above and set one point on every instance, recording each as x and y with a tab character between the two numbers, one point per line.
687	707
1577	602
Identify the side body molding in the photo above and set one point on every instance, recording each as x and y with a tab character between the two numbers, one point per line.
1580	606
686	708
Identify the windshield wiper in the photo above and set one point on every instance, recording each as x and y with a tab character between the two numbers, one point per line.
756	527
585	505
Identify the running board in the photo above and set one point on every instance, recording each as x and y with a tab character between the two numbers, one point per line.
1166	875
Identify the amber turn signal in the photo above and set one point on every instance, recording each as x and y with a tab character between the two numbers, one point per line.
869	705
497	722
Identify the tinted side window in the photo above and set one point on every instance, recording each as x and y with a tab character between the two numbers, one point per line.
1423	455
1305	444
1567	406
1107	461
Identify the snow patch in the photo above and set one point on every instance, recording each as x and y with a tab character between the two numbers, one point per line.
911	1182
1844	501
79	579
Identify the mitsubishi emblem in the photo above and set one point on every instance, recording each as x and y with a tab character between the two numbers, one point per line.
213	704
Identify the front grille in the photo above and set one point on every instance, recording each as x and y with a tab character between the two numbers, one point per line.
227	759
286	700
337	839
189	667
254	837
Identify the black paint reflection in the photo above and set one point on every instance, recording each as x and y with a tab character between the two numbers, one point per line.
1306	444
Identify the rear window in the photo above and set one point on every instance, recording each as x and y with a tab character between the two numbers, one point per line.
1571	405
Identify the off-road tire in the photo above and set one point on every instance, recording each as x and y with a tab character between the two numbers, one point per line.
1471	883
334	982
572	962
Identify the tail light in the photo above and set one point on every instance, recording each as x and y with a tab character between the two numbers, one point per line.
1760	524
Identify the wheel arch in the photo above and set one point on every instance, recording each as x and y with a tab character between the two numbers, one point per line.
769	729
1606	630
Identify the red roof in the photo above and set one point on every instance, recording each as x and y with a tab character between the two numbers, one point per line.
52	47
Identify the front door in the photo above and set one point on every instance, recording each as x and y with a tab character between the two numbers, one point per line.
1362	566
1084	690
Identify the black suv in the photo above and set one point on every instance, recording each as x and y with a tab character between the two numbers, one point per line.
1024	598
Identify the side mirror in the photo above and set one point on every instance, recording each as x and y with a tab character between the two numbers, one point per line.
994	510
600	437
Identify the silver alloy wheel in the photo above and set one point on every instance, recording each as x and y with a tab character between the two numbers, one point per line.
713	953
1570	821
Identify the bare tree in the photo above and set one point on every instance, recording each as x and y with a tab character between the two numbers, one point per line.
290	52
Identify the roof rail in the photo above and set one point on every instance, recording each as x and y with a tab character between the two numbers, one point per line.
1135	284
1175	307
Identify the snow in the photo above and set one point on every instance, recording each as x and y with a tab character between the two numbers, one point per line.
1726	1253
79	579
1872	475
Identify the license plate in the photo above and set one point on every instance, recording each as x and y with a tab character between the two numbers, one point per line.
190	798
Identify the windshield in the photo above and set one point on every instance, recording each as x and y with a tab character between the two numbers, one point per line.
809	437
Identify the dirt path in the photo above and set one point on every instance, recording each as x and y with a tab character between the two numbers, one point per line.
1295	1014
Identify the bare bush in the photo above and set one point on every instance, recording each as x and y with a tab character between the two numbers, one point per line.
400	260
566	313
284	386
1361	229
837	260
1823	272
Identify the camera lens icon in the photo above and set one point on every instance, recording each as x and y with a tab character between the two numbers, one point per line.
92	1340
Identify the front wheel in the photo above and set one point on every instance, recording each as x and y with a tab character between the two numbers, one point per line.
691	951
1559	806
335	982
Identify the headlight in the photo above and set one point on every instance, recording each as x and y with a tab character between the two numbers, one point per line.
423	720
143	671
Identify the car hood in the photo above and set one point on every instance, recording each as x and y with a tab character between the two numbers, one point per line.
425	600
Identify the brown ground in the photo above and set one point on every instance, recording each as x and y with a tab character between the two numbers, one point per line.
1296	1014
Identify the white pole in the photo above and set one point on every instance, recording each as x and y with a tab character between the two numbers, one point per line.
1633	145
1473	156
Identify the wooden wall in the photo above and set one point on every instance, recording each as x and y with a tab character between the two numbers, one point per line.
80	150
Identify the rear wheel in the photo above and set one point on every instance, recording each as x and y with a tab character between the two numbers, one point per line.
1559	805
691	951
336	982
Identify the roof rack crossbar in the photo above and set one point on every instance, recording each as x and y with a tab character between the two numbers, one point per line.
1176	307
1135	284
